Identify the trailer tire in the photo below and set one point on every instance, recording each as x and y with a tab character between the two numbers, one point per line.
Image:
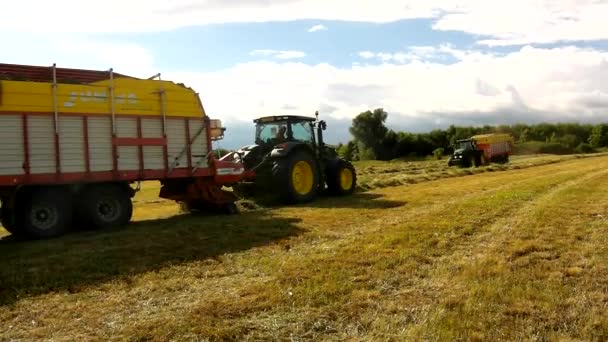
105	206
44	212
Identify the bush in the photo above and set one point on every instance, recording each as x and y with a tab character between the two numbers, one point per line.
539	147
555	148
584	148
528	147
438	153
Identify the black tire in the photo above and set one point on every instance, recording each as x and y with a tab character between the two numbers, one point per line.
471	161
8	219
283	177
44	213
194	206
336	184
105	206
231	209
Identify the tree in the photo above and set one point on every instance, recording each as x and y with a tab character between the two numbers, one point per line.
369	130
569	140
348	151
599	136
523	137
438	153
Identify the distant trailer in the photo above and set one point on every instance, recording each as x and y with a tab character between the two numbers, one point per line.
69	151
482	150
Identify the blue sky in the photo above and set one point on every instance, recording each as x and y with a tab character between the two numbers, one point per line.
219	46
429	64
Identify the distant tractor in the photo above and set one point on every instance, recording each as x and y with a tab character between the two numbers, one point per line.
482	150
289	160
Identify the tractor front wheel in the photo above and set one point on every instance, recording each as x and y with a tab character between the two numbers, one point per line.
341	178
296	177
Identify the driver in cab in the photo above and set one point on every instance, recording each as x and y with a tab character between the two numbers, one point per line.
280	136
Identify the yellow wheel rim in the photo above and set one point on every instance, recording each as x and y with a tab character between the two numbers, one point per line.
302	178
346	179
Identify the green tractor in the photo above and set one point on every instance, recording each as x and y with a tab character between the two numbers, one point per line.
291	160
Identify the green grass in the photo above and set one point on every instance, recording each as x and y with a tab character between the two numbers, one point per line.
514	255
376	174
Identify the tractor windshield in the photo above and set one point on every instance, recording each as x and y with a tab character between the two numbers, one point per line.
302	131
278	131
464	144
271	132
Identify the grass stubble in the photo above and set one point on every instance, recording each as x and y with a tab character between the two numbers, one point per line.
495	256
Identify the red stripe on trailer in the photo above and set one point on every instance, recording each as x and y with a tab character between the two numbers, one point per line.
26	146
102	176
85	133
139	141
188	146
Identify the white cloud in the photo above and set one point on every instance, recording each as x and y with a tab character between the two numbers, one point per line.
529	84
87	54
367	54
317	28
280	54
76	52
425	54
159	15
500	22
523	22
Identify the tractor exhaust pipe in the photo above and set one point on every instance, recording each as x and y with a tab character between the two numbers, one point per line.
321	126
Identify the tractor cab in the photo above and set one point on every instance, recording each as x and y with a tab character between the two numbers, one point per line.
465	144
274	130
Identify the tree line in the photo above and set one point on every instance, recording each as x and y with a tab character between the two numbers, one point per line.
374	141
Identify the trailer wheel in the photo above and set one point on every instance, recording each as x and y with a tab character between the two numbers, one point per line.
105	206
45	213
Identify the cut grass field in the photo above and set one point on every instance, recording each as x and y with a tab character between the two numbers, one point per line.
511	255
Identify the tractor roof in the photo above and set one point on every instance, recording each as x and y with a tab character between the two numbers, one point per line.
278	118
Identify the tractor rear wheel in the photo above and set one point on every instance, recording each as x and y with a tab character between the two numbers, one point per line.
296	177
341	178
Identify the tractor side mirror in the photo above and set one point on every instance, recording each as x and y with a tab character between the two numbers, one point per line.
323	125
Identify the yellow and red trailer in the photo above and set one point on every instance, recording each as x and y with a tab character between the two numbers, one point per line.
73	142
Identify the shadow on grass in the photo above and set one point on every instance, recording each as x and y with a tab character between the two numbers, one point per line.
358	200
84	259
